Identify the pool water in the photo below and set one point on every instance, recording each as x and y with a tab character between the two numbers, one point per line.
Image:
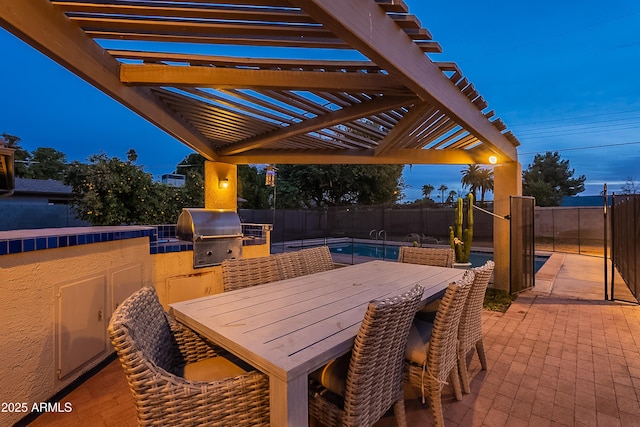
390	252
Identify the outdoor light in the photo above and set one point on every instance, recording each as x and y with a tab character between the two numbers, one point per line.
493	160
270	179
223	184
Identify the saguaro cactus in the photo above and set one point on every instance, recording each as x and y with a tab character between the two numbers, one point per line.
460	239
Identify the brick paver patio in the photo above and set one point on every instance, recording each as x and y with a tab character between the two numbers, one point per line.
552	361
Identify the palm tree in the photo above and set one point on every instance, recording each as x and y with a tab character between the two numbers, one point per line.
485	182
427	189
471	179
477	178
451	197
442	189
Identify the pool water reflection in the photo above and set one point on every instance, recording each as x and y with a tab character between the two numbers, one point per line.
390	253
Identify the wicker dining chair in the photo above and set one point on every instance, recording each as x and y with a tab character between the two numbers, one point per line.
432	349
177	378
244	272
316	259
439	257
470	329
290	264
359	387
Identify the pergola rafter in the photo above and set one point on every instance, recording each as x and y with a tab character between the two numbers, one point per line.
391	103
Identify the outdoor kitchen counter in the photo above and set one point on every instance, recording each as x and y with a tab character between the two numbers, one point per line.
18	241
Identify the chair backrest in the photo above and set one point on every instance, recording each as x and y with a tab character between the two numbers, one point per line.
244	272
442	354
470	330
140	333
439	257
290	264
375	376
316	259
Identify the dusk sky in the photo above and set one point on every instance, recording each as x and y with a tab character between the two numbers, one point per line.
562	75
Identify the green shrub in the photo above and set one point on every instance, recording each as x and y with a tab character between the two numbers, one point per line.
497	300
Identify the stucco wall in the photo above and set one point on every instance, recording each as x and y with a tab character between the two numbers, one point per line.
30	287
29	284
563	222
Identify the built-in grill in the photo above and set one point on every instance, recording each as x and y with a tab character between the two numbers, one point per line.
216	234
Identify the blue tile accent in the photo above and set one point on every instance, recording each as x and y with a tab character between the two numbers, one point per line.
28	245
41	243
15	246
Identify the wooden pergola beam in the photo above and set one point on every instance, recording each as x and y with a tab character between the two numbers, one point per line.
234	78
343	115
366	27
41	25
399	156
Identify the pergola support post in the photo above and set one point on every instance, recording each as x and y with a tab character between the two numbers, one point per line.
220	186
507	182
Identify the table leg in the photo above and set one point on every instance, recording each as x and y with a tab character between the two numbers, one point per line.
289	401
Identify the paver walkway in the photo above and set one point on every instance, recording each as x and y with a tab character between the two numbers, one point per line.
561	356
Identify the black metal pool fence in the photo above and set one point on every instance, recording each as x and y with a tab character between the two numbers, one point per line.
625	247
576	229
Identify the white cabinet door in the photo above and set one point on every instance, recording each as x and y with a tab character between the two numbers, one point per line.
81	324
124	283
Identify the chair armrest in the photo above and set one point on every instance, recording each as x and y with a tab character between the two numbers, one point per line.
192	346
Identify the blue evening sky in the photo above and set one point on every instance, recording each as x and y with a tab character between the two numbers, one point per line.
561	74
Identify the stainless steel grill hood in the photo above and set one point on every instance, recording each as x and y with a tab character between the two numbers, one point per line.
216	234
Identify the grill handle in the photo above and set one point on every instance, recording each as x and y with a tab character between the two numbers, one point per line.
218	236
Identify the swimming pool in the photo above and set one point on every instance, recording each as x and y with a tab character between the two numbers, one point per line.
390	252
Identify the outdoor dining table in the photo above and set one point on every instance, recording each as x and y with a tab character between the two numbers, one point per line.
289	328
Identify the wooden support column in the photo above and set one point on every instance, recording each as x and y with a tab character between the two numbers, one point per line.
220	186
507	182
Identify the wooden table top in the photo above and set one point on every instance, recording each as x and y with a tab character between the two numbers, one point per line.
291	327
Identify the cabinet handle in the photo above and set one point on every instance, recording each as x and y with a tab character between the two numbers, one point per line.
100	315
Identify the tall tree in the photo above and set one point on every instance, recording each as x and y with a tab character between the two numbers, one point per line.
193	162
21	155
471	177
485	183
452	196
47	163
338	185
442	189
549	179
630	186
251	187
427	189
109	191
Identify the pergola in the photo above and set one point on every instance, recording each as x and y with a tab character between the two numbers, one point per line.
392	104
